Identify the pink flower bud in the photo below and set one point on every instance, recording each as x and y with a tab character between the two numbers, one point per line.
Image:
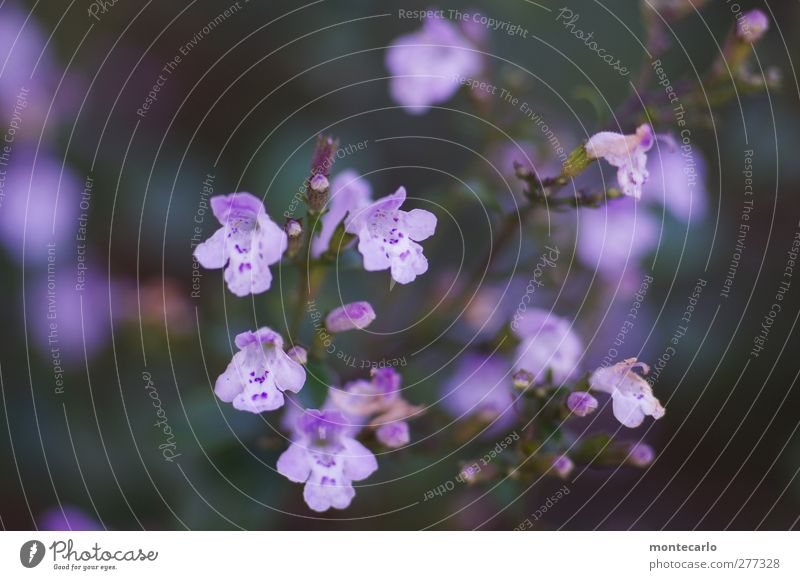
319	183
752	26
641	455
563	466
356	315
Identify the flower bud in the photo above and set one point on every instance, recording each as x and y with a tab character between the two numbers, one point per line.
581	403
294	234
522	379
317	193
641	455
393	435
356	315
752	26
563	466
298	354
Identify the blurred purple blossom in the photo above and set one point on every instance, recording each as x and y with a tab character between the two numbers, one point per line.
68	518
349	193
752	26
353	316
581	403
678	182
427	65
548	345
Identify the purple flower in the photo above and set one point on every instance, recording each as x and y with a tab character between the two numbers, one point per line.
626	152
548	345
678	183
67	518
614	240
259	373
428	65
632	397
39	205
481	387
752	26
581	403
349	193
388	236
641	455
353	316
393	434
248	243
325	458
563	466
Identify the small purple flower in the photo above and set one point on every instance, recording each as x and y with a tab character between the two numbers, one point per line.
632	397
563	466
388	236
248	243
428	65
615	239
67	518
259	373
481	387
678	183
394	434
349	193
548	345
626	152
581	403
641	455
319	183
752	26
325	458
353	316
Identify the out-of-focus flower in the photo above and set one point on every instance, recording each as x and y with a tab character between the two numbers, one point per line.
678	183
393	434
349	193
376	403
68	518
581	403
626	152
248	243
523	379
548	345
298	354
752	26
631	395
427	65
40	204
324	457
481	387
353	316
614	240
388	236
259	373
641	455
69	316
563	466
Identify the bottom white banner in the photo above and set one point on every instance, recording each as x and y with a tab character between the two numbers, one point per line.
388	555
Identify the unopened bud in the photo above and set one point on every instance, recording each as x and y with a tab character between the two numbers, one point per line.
563	466
353	316
581	403
318	188
294	233
641	455
522	379
752	26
